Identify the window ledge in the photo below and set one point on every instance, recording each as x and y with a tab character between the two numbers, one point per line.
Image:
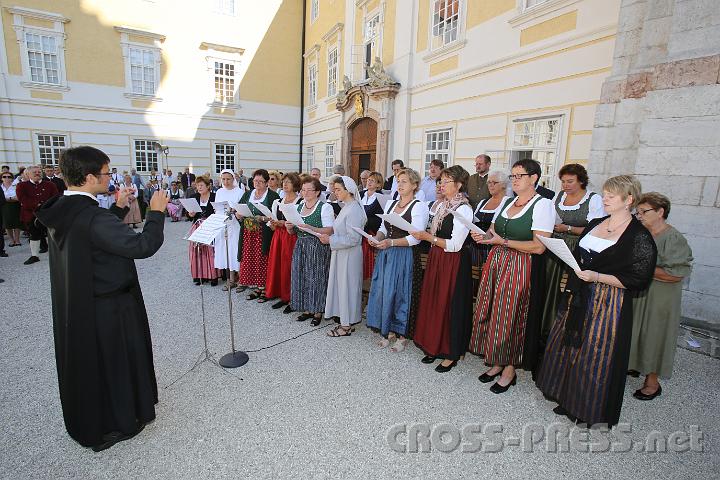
445	50
234	106
538	11
139	96
312	108
331	99
45	86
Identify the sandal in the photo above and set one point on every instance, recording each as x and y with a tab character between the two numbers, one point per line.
262	299
316	321
304	316
340	331
399	345
241	288
229	286
383	342
253	296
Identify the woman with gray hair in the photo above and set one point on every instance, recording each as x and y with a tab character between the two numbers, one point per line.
344	293
484	213
656	311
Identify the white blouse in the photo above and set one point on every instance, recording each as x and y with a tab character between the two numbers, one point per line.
327	215
419	219
9	191
595	210
368	199
596	244
494	210
276	204
459	231
543	216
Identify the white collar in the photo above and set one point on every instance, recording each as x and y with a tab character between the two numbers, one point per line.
69	193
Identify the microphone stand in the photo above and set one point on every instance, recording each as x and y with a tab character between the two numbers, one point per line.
235	358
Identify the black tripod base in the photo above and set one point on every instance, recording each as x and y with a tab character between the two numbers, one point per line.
234	359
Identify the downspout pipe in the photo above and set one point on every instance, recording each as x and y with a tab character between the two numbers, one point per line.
302	85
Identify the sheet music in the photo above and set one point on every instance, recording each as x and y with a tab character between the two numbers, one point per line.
265	211
560	248
243	210
362	232
191	205
311	232
209	229
382	199
397	221
220	206
467	223
291	213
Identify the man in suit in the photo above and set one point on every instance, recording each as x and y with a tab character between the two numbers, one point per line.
477	183
187	178
49	175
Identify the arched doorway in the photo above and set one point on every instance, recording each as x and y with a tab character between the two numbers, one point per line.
363	146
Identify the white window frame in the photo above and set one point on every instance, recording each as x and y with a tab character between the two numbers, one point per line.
312	84
228	55
153	159
333	71
225	155
309	157
437	51
153	47
225	7
525	4
329	159
539	149
57	33
445	154
55	150
314	10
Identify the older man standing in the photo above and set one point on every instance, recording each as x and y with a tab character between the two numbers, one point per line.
316	173
31	195
477	184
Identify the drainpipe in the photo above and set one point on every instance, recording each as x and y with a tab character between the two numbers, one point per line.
302	85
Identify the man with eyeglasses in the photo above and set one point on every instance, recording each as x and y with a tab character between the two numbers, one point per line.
103	349
31	195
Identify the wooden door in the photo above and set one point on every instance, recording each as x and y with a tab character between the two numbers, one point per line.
363	147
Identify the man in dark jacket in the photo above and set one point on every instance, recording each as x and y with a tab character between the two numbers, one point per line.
103	349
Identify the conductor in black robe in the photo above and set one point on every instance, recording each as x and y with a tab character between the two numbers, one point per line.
103	349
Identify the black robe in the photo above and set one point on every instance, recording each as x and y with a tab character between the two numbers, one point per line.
103	349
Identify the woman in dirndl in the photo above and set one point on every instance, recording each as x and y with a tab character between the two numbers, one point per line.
255	236
506	325
484	213
585	364
392	296
133	216
444	318
174	207
311	259
202	257
282	246
575	207
371	203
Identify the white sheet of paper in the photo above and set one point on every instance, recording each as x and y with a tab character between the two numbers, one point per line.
191	205
467	223
308	231
291	213
397	221
208	230
265	210
219	207
560	248
243	210
366	235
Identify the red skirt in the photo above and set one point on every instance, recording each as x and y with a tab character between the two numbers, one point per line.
444	314
279	263
253	267
368	257
202	259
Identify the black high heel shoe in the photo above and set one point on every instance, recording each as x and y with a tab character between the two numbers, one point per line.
304	316
644	396
485	378
442	369
428	359
497	388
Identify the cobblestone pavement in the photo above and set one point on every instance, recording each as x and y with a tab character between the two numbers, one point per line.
319	407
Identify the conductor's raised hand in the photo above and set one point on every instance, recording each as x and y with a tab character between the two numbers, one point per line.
122	198
159	201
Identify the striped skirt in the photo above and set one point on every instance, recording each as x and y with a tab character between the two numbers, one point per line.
584	380
388	308
202	259
309	275
501	308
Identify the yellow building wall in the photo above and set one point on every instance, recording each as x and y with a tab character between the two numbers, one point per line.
388	47
549	28
423	25
481	11
331	12
274	73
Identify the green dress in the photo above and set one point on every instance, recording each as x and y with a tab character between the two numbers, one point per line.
656	311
